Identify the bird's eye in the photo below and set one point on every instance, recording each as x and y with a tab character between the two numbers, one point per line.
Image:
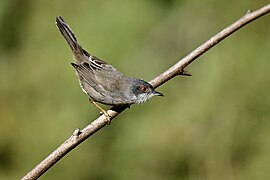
143	89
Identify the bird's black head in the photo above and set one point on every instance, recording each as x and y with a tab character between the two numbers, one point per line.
143	91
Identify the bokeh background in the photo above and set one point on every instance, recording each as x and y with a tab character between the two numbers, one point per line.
213	125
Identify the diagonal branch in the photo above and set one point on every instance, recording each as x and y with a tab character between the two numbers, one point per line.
177	69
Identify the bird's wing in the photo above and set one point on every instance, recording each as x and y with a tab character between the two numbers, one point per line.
103	78
86	72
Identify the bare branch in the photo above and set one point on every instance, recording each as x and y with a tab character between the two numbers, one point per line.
178	69
180	65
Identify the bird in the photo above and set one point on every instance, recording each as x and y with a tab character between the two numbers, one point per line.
101	81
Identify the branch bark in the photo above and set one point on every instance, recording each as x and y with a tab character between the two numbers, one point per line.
80	135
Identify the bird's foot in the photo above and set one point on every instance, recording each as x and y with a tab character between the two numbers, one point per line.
108	117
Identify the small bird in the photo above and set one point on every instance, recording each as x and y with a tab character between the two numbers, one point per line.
100	80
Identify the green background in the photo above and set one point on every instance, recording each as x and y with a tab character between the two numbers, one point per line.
213	125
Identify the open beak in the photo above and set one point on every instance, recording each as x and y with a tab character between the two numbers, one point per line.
157	93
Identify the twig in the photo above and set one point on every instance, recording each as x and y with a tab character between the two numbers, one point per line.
178	69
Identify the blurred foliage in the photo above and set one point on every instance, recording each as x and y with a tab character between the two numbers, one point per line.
213	125
11	25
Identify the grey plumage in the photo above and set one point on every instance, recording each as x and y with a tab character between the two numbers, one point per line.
101	81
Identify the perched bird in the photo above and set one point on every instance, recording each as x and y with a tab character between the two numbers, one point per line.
100	80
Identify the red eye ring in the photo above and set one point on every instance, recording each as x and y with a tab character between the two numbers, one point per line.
143	89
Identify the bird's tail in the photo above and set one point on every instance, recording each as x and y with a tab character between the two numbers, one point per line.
79	53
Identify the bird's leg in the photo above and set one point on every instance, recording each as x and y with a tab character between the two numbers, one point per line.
108	117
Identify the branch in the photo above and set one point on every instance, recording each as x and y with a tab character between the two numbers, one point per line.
177	69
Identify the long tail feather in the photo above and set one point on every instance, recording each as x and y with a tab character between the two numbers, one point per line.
79	53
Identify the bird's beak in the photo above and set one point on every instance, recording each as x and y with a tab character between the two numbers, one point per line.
157	93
